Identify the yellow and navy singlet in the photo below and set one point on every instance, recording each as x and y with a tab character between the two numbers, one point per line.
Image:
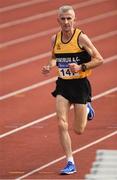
70	52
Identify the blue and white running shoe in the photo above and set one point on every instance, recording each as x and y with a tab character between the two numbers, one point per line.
69	169
91	112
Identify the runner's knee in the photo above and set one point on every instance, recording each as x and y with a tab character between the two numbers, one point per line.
63	125
79	130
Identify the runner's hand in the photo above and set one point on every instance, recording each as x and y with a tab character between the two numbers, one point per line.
74	67
46	69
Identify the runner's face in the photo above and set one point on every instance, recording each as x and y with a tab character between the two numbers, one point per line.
66	20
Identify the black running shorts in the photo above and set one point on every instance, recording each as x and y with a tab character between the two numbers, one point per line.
77	91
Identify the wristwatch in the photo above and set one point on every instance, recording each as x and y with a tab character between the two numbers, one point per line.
83	67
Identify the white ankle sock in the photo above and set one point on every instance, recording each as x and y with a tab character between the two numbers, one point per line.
71	159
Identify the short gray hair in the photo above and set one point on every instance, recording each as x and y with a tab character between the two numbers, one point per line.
65	8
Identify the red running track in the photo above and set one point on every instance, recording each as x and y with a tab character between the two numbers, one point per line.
25	150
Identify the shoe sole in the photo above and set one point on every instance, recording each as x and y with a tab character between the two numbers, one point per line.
67	173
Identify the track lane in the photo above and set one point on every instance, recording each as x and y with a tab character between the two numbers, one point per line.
22	79
33	46
32	10
85	21
10	3
30	141
20	5
48	54
82	156
26	111
50	9
32	27
108	22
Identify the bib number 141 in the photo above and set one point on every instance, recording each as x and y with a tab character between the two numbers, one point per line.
66	72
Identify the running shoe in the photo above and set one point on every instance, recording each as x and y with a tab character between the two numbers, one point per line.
91	112
69	169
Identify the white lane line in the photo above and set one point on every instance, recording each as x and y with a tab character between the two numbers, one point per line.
104	36
63	157
48	54
20	5
29	88
26	61
54	30
42	83
28	125
104	93
52	115
97	17
47	14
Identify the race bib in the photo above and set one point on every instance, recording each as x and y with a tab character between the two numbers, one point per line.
65	72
